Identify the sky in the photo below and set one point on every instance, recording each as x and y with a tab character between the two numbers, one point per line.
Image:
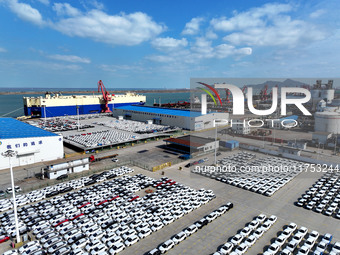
162	44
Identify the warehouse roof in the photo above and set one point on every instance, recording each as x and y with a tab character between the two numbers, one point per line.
157	110
190	141
292	117
12	128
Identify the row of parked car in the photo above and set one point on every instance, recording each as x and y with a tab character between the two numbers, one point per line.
188	231
50	191
293	240
247	237
26	220
106	217
323	197
262	175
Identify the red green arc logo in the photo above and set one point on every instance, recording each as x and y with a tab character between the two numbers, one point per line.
209	93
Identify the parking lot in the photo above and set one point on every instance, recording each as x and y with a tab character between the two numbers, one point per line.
247	205
105	217
265	175
323	197
100	130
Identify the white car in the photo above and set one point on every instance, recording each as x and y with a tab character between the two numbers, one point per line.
237	239
304	250
320	248
241	249
253	224
190	230
336	248
100	249
156	226
179	237
144	232
166	246
50	242
272	219
261	218
131	240
309	243
116	248
273	249
245	232
226	248
250	241
291	227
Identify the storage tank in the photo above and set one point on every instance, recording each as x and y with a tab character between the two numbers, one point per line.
326	94
327	121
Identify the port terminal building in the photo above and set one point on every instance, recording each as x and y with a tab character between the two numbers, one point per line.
30	144
185	119
191	144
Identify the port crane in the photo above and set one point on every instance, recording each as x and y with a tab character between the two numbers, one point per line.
227	92
264	94
106	96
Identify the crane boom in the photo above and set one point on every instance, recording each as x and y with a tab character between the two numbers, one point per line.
106	96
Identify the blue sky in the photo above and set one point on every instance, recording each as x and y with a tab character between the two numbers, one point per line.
161	44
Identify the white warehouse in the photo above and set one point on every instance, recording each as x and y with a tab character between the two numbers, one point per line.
185	119
31	144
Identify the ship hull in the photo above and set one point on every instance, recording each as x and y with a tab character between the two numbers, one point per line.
53	111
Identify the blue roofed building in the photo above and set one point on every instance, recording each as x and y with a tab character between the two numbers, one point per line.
31	144
182	118
283	123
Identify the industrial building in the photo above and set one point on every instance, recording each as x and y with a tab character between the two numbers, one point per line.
323	91
321	137
242	128
327	118
190	144
185	119
31	144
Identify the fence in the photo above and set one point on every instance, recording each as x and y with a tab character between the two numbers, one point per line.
290	156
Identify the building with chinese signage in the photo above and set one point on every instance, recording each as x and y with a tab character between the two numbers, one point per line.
30	143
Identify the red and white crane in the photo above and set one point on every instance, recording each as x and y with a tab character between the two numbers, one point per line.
106	96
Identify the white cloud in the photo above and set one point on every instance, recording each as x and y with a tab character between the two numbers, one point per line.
226	50
65	9
269	25
2	50
200	50
168	43
211	35
253	18
122	29
38	65
193	26
45	2
317	13
25	11
283	32
70	58
97	5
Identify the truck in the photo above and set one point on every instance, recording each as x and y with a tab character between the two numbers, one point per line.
94	159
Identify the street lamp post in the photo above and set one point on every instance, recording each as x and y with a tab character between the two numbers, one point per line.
215	146
9	154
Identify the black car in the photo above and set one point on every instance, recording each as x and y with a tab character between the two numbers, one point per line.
201	223
62	177
53	193
2	193
107	224
153	252
67	189
90	182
